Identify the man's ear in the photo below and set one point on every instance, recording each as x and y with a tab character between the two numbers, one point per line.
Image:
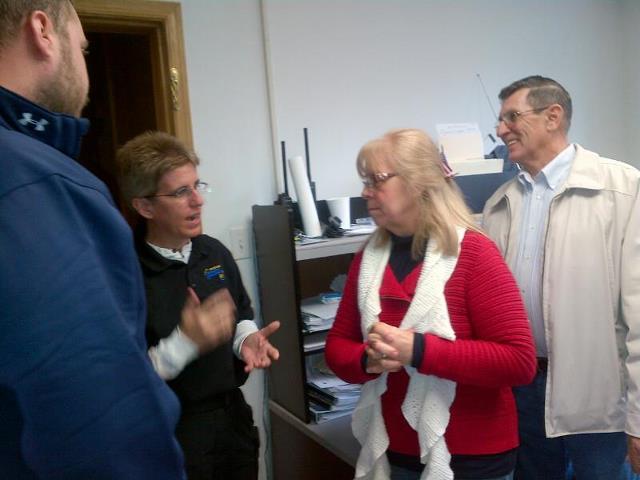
144	207
41	31
555	117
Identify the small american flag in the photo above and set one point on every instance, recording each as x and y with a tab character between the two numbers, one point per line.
446	169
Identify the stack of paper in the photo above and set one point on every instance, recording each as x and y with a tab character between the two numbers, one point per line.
329	397
317	315
462	146
359	230
314	341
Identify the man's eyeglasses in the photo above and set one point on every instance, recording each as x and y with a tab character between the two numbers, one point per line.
374	180
185	192
510	118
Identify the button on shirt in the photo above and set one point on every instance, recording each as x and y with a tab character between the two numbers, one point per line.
528	269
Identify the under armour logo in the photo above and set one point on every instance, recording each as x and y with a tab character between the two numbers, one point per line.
27	119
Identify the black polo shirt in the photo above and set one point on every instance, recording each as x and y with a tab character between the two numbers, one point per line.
211	267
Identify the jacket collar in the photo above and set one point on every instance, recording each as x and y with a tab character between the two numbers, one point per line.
151	259
585	174
60	131
155	262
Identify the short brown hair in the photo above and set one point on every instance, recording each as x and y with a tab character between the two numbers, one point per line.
13	13
143	160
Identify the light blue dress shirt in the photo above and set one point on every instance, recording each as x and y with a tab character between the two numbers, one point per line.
539	192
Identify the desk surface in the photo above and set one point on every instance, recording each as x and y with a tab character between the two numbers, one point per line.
334	435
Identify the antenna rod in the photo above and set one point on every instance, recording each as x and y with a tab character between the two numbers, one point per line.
284	168
486	95
306	153
312	184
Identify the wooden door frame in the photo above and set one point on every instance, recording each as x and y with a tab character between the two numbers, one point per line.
162	23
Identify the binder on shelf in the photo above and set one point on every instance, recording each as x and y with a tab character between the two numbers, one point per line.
338	398
320	413
313	344
329	397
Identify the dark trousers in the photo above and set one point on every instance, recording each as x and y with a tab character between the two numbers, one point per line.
593	456
220	442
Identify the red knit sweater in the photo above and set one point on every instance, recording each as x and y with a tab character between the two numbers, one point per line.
493	350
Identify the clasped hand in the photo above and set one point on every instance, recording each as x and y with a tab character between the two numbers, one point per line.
388	348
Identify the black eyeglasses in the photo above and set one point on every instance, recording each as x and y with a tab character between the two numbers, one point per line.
510	118
185	192
374	180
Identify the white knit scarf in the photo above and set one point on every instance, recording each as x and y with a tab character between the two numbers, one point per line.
428	399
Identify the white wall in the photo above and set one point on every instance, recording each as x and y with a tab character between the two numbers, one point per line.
631	54
227	89
351	69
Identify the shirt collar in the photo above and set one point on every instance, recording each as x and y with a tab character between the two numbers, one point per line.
60	131
181	255
557	170
554	172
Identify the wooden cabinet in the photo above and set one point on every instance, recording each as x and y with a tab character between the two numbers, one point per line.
286	274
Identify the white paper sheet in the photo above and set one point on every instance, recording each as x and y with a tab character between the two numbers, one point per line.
463	148
313	306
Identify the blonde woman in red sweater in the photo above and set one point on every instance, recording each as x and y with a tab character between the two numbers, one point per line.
432	324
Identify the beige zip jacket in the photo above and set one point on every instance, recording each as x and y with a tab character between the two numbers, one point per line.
590	293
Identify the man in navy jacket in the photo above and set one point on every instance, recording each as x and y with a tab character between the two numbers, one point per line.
78	396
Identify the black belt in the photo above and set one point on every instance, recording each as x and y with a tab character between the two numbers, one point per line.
543	364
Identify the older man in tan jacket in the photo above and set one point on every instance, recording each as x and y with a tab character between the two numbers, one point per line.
569	228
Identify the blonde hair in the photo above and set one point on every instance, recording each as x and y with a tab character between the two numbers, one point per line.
415	158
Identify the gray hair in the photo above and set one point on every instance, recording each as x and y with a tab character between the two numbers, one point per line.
543	92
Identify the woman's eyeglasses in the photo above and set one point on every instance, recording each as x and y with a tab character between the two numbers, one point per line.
185	192
374	180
